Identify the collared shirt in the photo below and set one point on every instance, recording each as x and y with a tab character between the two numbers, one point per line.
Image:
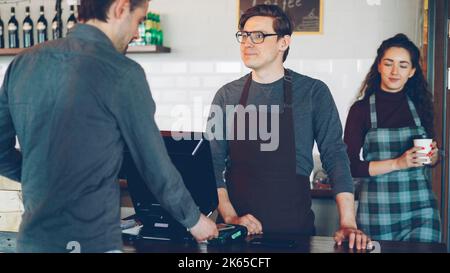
74	104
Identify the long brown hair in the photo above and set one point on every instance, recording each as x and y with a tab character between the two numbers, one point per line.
416	87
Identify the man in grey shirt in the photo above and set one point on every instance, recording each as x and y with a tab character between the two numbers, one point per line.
263	183
74	104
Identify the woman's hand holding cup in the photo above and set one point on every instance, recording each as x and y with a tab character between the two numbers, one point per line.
409	159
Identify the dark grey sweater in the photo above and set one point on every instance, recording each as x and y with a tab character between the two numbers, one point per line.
315	119
74	104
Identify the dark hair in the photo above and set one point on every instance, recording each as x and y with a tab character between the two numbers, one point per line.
98	9
416	87
282	24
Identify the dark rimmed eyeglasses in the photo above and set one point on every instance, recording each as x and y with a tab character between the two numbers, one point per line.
257	37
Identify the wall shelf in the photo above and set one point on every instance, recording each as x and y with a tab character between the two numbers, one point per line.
131	50
11	1
10	51
148	49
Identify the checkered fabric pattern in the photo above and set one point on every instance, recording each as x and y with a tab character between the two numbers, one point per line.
398	206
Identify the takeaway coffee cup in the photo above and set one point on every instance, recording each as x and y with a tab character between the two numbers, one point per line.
425	143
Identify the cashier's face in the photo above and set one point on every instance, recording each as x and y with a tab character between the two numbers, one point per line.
262	55
129	27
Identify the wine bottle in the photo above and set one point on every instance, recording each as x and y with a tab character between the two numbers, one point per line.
42	27
2	35
28	27
13	30
71	22
56	27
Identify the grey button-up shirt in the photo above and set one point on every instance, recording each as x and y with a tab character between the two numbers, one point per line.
74	104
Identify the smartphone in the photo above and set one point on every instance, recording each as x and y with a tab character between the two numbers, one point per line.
274	243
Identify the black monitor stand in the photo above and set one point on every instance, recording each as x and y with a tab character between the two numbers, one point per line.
192	158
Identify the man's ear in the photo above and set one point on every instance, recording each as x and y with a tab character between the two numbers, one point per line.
119	8
285	42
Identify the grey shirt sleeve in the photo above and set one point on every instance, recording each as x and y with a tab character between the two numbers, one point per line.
10	158
134	110
328	135
217	135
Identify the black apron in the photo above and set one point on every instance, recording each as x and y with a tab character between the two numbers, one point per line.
265	184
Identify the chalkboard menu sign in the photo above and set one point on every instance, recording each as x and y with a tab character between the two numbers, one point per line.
306	15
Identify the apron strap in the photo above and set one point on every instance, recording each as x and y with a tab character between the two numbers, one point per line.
246	90
287	86
373	112
413	110
287	89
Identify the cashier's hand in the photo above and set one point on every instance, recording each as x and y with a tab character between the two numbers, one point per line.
356	238
252	224
205	229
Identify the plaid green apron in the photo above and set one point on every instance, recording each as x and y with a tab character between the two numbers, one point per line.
398	206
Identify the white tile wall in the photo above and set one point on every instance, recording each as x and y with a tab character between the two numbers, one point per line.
201	67
317	66
187	81
173	96
228	67
205	54
157	82
174	67
294	64
194	82
215	81
341	75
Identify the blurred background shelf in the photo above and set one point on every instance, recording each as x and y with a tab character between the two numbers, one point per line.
131	50
10	51
148	49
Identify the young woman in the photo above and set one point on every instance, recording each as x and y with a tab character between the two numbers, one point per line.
394	108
